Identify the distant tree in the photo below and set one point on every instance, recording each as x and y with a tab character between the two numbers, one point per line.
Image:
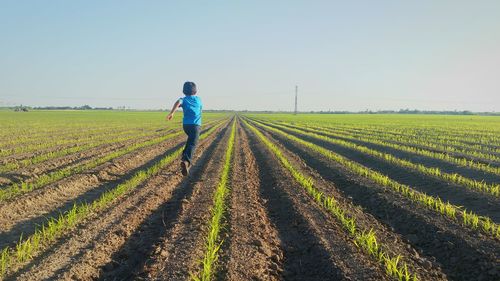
86	107
21	108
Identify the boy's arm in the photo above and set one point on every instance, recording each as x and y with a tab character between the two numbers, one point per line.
177	104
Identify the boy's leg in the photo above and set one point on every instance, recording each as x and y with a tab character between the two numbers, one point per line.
193	132
184	161
186	130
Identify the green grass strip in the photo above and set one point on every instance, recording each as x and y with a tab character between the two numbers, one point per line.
469	219
364	239
55	227
481	186
24	187
213	242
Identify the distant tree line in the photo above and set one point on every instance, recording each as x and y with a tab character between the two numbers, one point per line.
413	111
404	111
83	107
22	108
401	111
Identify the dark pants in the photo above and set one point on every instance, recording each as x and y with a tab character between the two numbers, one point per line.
193	133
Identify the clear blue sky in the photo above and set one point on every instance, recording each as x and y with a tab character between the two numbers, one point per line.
344	55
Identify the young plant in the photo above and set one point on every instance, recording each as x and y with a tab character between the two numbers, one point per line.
213	241
470	219
481	186
365	240
24	187
25	249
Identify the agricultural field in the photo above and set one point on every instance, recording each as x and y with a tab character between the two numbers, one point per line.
98	195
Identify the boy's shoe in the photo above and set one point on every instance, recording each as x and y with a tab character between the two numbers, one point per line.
185	168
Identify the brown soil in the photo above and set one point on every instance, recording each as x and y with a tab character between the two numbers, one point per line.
272	229
478	202
31	172
101	243
428	161
395	243
461	253
463	140
454	153
75	141
21	215
179	251
315	247
4	181
40	138
252	249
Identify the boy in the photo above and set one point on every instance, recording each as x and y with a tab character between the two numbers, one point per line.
191	106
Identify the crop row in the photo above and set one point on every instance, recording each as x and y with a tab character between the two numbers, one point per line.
458	130
213	241
67	135
448	136
104	139
435	137
42	126
492	189
365	239
464	162
60	138
39	135
53	142
453	212
61	123
466	151
55	227
444	136
479	133
25	186
81	146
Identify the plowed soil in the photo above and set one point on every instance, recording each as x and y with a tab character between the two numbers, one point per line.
272	229
462	254
33	171
20	215
480	203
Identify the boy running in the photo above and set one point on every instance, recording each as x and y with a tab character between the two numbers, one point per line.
191	107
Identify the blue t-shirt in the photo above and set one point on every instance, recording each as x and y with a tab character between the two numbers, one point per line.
191	107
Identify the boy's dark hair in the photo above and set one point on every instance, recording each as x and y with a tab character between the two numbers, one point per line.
189	88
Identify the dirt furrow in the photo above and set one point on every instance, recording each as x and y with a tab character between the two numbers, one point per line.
460	145
396	244
251	249
480	203
70	140
179	252
315	247
418	159
26	211
97	245
33	171
460	151
461	253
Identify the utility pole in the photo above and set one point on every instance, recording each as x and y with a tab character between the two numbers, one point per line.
296	92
